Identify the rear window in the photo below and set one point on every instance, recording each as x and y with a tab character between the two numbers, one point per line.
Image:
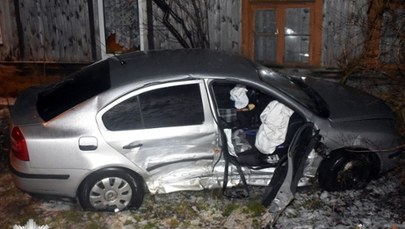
80	86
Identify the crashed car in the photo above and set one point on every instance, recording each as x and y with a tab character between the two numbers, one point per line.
175	120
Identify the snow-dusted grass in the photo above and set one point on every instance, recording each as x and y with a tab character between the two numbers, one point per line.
380	205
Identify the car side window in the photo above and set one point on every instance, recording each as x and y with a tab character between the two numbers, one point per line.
172	106
124	116
165	107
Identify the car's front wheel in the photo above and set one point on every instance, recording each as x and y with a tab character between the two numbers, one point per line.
111	190
344	170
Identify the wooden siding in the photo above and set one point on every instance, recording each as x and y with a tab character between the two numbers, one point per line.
67	31
223	24
344	27
55	31
225	28
9	49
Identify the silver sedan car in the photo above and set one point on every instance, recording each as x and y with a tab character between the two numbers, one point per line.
166	121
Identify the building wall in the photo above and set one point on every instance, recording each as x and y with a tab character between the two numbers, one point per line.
344	28
222	28
9	45
47	31
56	30
226	25
68	31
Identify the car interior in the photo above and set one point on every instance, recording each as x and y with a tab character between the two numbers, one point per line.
244	124
241	125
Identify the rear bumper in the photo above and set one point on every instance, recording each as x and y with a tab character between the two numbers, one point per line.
48	183
38	176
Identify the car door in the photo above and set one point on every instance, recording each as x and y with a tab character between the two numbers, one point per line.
167	130
283	185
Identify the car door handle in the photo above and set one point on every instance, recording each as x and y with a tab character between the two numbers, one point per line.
88	143
132	145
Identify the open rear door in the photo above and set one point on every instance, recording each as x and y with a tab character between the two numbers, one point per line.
283	185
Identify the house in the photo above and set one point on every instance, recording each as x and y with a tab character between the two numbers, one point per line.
45	37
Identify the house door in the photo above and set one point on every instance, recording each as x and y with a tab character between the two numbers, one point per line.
286	33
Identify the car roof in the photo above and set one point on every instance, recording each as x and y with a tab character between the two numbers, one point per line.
107	80
168	65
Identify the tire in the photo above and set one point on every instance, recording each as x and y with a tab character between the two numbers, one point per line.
111	190
343	170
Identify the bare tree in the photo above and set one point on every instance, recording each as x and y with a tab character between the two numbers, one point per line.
380	41
187	21
378	50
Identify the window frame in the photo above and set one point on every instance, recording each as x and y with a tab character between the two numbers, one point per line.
249	9
137	92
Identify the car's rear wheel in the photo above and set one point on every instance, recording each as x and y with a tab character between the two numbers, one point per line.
344	170
111	190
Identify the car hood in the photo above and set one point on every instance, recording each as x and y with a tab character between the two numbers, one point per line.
349	104
24	111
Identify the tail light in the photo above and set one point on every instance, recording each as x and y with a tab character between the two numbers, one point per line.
18	145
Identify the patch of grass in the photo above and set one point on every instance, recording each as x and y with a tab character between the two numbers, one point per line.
10	191
183	210
151	225
127	222
255	208
256	223
214	194
229	208
93	225
202	205
137	217
172	223
73	216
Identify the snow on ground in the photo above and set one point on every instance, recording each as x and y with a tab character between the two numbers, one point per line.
372	207
380	205
377	206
